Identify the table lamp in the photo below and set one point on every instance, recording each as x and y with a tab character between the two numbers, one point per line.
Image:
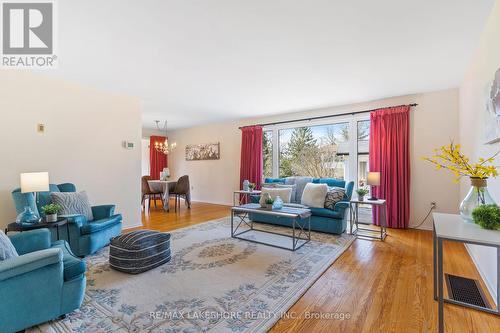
32	182
373	180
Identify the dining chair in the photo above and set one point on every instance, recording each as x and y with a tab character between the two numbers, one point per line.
147	192
181	190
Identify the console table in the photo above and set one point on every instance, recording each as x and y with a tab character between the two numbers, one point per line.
450	227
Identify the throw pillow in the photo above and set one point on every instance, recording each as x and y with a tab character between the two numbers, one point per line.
283	193
294	191
334	195
73	203
314	195
7	250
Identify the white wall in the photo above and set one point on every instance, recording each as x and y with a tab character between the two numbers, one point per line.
82	143
433	122
145	157
473	92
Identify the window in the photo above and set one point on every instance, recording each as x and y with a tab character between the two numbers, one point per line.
330	148
363	151
315	151
267	153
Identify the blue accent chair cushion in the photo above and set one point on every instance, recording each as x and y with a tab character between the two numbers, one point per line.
86	237
43	283
322	219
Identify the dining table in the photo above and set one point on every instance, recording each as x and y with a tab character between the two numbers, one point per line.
165	187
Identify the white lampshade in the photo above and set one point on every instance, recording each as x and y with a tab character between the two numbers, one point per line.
373	178
34	182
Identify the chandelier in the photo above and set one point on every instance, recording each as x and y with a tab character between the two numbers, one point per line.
163	147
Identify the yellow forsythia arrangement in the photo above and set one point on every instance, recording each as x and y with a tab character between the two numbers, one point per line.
449	157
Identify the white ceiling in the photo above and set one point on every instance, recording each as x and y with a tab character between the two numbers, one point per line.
199	61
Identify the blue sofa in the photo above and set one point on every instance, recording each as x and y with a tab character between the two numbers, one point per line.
332	221
86	237
45	282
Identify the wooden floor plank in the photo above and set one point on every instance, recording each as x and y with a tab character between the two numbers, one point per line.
383	286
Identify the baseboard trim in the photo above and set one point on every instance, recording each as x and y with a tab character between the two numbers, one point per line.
132	226
488	284
213	202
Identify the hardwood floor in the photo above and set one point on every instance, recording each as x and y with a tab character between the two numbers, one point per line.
381	286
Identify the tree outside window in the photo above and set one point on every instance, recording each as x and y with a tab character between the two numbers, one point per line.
315	151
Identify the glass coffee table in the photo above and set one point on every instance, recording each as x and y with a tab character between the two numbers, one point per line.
242	227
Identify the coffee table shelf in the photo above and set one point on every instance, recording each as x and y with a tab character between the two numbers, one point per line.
301	226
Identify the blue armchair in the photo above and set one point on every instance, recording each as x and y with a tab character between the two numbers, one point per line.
45	282
85	237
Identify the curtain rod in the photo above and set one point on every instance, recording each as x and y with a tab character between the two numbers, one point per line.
328	116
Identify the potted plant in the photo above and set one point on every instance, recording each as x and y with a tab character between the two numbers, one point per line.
251	187
451	158
51	211
269	203
487	216
361	193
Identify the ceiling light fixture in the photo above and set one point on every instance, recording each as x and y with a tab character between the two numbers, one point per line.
163	147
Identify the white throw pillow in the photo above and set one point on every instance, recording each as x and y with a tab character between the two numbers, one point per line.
314	195
284	193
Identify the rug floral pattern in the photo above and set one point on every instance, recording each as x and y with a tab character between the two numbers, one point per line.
213	283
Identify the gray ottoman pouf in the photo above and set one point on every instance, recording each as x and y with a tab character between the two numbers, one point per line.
139	251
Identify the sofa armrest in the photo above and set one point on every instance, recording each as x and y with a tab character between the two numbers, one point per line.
341	206
30	241
29	262
255	198
103	211
76	220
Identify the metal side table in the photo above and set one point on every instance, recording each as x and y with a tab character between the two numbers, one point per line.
241	197
354	218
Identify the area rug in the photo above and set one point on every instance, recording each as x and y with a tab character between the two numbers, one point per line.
212	283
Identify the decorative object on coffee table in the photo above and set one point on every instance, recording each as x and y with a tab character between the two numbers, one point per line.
278	203
450	157
269	203
51	211
139	251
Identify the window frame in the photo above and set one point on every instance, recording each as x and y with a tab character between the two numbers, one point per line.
352	168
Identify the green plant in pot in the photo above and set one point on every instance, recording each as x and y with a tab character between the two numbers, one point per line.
361	193
487	216
51	211
269	203
251	187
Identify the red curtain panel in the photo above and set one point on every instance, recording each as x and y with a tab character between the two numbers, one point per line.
251	155
157	160
390	155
